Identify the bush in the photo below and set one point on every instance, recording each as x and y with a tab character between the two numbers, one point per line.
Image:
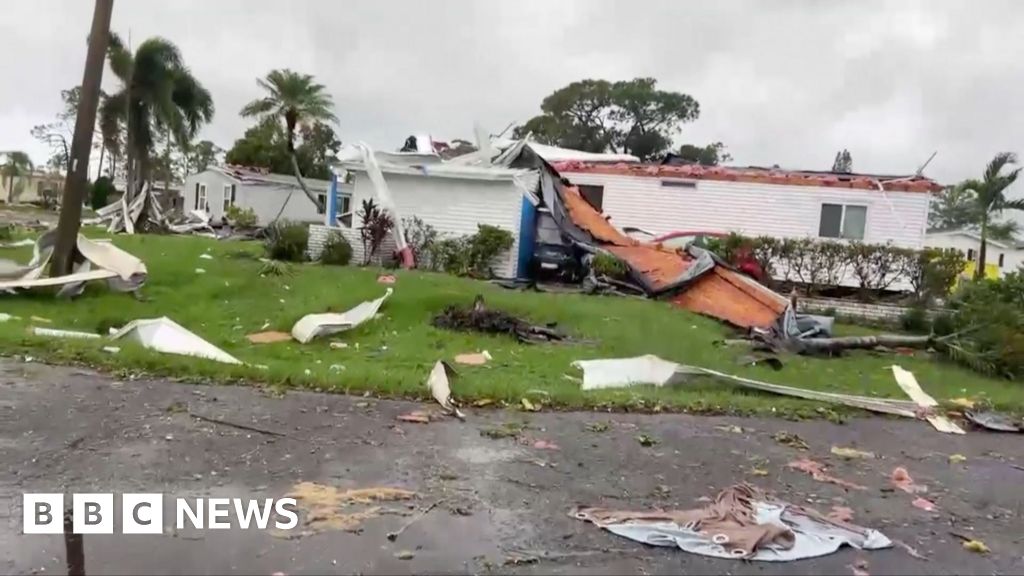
242	217
605	264
989	314
376	223
421	238
100	191
915	320
286	240
336	250
451	255
485	245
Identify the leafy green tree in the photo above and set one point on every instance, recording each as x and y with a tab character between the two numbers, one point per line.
955	208
297	100
631	116
710	155
843	164
264	146
16	164
990	199
158	95
202	155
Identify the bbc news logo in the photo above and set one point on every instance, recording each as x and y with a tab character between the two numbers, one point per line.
94	513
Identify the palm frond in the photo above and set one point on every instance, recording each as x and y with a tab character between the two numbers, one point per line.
1013	204
260	107
973	360
996	165
119	57
111	117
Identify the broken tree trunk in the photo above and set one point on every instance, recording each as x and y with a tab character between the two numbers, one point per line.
834	345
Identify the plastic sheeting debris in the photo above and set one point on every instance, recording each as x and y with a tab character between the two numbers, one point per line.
650	369
166	335
742	523
55	333
313	326
441	390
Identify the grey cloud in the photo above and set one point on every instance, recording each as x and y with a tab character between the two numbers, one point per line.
783	82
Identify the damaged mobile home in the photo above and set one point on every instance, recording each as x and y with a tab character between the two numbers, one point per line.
513	185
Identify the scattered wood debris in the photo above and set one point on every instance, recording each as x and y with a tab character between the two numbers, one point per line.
479	318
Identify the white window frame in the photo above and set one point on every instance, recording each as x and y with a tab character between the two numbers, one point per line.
842	220
226	201
203	202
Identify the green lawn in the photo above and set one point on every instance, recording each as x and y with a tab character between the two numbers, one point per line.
393	355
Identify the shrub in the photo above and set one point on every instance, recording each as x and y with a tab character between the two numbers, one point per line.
242	217
337	250
605	264
376	223
100	191
485	245
989	314
915	320
451	255
421	238
286	240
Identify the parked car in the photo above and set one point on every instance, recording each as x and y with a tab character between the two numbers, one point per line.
743	260
553	256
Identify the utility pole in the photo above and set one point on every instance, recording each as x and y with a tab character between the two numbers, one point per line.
81	144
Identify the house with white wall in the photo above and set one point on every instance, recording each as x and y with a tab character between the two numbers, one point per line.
453	199
217	188
1000	257
756	202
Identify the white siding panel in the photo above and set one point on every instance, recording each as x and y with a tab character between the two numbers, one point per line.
754	209
454	206
214	181
265	200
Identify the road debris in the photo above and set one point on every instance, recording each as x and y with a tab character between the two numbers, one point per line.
479	318
268	337
597	426
994	421
246	427
923	504
908	383
313	326
528	405
910	550
392	536
976	546
165	335
791	440
901	479
545	445
646	441
840	514
327	507
965	403
415	417
441	390
957	458
852	453
473	359
730	428
741	523
405	555
817	471
758	472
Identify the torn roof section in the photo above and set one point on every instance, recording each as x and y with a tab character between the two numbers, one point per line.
776	176
262	176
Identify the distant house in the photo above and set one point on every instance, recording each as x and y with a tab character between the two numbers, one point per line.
31	189
1000	257
757	201
218	188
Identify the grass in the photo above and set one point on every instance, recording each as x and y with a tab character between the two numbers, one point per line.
391	356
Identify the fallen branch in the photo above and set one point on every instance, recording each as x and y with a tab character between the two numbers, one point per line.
392	536
479	318
238	426
833	345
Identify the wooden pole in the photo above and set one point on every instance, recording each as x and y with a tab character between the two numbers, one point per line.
81	145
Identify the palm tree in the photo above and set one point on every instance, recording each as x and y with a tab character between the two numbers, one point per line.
297	99
16	164
990	200
158	95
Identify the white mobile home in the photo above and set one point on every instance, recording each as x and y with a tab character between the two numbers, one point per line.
755	202
218	188
1000	257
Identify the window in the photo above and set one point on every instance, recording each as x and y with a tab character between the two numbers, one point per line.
345	210
321	200
229	196
201	197
594	195
1000	260
842	221
970	254
678	184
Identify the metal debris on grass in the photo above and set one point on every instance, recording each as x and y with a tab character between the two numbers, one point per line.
313	326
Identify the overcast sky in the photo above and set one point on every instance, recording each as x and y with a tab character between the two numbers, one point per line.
778	82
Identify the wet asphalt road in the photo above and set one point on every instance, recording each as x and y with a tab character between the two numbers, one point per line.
501	503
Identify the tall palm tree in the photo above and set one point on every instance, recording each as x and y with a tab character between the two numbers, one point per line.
158	95
990	199
16	164
297	99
